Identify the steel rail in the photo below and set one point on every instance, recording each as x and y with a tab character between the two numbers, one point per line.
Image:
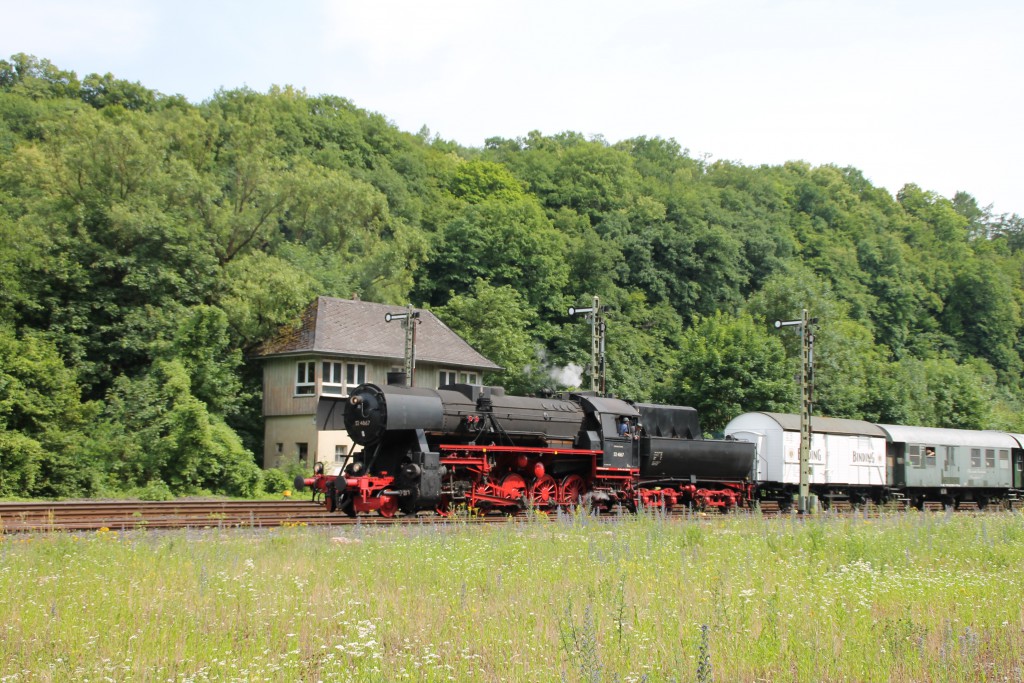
198	513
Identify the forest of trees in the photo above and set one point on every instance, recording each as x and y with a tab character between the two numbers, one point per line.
148	244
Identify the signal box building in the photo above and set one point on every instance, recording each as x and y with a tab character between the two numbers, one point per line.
338	345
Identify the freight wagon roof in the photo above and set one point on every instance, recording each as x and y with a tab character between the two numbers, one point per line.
351	328
820	425
935	436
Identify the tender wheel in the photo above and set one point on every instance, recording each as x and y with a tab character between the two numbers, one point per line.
572	487
544	491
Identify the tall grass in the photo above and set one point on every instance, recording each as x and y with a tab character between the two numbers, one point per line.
910	597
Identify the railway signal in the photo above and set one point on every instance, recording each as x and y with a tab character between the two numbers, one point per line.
597	348
410	319
805	326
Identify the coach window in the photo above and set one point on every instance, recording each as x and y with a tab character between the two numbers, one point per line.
1004	459
914	455
929	456
305	377
976	457
990	458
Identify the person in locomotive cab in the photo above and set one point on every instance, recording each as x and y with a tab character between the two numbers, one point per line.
624	426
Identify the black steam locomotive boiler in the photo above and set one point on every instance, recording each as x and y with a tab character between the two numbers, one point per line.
477	447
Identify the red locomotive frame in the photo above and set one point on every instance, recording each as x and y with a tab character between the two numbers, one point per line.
511	478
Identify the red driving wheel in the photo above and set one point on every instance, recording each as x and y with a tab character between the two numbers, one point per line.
544	491
513	486
573	487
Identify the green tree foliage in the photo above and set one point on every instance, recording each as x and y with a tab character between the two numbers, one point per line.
202	345
642	340
944	393
505	243
497	322
983	314
155	429
41	420
727	365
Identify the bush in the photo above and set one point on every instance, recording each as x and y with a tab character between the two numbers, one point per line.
155	490
276	481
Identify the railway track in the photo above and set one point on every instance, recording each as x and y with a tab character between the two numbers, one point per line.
204	513
126	515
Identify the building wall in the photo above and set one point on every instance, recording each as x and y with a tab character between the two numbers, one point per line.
279	389
334	448
287	432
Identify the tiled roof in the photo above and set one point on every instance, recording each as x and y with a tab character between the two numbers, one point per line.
357	328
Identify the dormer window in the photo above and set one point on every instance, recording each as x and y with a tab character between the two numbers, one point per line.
305	378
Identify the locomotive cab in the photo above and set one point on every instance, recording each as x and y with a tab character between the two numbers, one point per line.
601	431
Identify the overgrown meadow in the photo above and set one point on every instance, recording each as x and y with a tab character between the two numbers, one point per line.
907	597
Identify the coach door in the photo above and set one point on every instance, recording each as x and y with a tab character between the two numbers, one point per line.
895	464
1018	468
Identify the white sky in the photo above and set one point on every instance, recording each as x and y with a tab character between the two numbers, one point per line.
922	91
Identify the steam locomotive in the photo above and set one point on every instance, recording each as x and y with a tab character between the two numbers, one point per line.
478	448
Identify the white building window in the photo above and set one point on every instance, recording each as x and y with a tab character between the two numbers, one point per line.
355	374
305	378
445	377
332	383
